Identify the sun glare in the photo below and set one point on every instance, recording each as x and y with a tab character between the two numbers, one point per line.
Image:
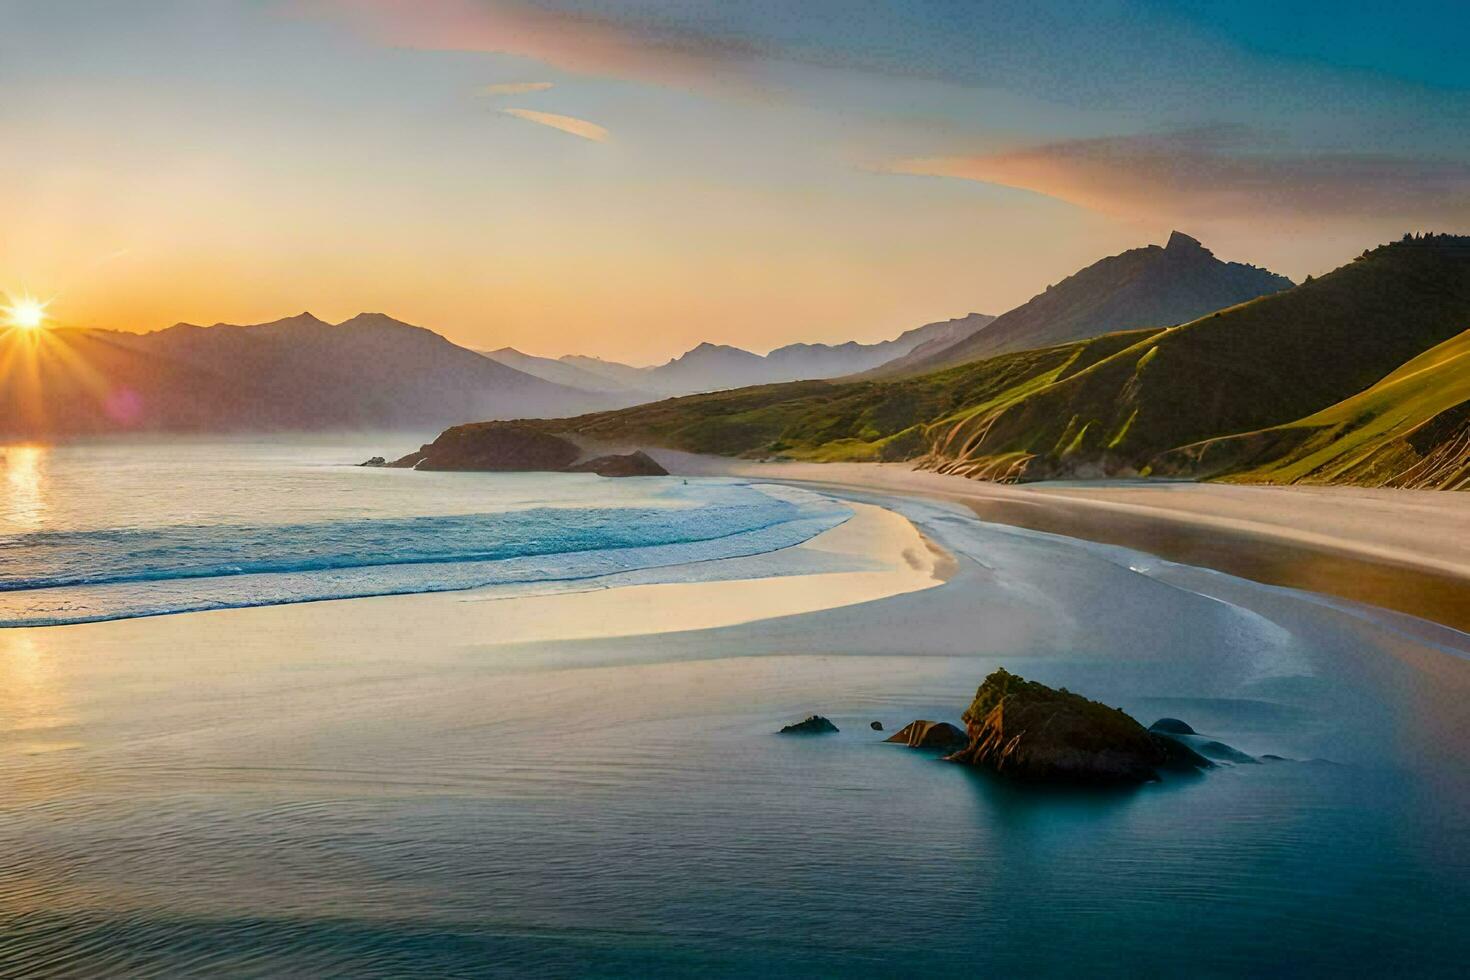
26	313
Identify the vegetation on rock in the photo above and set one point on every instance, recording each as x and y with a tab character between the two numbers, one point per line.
1030	732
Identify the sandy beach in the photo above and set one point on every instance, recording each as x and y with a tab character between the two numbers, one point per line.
1400	549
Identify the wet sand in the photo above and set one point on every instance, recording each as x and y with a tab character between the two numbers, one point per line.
1405	550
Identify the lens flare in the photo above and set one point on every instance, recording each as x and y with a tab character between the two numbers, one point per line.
26	313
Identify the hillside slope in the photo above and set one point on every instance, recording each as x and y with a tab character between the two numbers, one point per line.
1265	363
841	420
1412	429
1142	287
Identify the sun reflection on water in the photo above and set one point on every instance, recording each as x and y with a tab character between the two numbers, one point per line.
23	475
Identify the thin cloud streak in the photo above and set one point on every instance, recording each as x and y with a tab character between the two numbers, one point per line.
515	88
1214	174
567	124
581	43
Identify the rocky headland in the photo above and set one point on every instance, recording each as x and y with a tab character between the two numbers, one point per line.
509	447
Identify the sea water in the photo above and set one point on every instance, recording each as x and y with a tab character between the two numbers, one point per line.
621	806
99	532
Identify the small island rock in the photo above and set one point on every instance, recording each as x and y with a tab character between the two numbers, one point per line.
1178	731
814	725
929	735
374	461
1034	733
876	726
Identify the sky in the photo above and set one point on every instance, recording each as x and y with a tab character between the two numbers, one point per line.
628	180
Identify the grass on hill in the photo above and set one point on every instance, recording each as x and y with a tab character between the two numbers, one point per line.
842	421
1264	363
1387	435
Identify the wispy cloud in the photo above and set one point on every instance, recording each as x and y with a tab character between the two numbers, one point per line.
567	124
583	43
1214	174
515	88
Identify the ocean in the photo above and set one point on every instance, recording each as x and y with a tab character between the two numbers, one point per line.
115	531
191	795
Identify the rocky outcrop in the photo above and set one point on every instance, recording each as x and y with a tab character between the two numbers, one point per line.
494	447
517	447
374	461
1033	733
636	463
814	725
408	461
929	735
876	726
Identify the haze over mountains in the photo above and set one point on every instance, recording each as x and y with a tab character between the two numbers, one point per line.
298	373
716	367
301	373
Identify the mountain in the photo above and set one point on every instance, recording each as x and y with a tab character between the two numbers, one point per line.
1412	429
1265	363
935	337
298	373
1142	287
719	367
710	367
802	361
842	420
619	374
1359	376
566	372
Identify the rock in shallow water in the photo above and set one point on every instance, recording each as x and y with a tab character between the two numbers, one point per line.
876	726
929	735
1034	733
815	725
1178	731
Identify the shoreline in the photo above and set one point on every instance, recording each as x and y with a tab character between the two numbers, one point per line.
1400	550
875	554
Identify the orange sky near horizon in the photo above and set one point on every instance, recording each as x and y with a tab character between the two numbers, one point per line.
534	174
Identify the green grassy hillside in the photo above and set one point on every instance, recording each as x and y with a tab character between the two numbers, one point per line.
828	421
1265	363
1410	429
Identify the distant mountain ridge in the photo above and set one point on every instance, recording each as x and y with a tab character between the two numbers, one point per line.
1151	286
719	367
564	372
297	373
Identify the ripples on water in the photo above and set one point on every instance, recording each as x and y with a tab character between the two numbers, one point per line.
178	812
191	547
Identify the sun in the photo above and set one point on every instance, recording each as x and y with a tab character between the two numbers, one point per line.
26	313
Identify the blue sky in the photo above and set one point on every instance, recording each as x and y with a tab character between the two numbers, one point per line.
628	179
